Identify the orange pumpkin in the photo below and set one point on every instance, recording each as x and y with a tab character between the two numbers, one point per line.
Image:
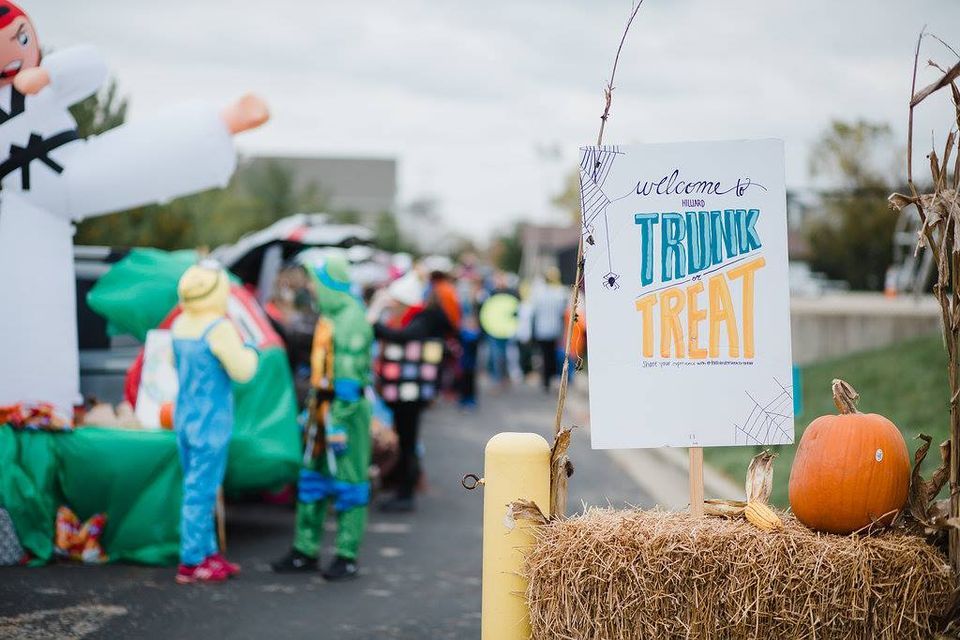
851	470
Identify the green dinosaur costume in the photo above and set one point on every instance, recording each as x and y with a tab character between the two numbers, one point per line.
337	473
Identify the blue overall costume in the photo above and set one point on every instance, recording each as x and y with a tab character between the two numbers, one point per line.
203	421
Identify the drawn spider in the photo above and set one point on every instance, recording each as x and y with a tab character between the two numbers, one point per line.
611	281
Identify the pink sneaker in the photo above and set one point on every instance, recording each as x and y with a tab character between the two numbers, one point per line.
218	561
203	572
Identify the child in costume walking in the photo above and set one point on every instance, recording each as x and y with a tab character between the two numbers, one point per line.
337	435
210	355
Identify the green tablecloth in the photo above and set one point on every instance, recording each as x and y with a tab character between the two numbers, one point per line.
134	476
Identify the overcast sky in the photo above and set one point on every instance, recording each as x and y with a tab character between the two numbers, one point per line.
469	96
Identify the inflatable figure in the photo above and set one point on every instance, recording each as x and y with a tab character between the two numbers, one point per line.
210	355
50	179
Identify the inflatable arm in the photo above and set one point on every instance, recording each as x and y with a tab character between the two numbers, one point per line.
75	73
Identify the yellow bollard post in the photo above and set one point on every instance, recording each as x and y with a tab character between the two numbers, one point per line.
516	465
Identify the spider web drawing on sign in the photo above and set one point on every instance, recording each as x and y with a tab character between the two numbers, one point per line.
595	163
767	418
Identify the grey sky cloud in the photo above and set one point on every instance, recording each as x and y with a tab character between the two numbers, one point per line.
464	93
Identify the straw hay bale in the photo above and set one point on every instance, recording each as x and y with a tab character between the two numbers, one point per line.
609	574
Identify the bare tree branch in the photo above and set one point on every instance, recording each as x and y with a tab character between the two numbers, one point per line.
558	493
608	90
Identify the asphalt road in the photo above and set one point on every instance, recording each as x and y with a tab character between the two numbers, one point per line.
420	572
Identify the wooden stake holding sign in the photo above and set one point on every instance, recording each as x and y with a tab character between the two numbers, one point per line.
696	481
687	297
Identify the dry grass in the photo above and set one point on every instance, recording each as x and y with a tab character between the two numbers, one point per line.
610	574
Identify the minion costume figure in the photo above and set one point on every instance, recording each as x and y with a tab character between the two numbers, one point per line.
337	435
209	355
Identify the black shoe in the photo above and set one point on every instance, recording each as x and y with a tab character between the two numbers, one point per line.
397	505
295	562
341	569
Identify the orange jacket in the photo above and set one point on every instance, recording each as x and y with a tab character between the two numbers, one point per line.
578	343
449	301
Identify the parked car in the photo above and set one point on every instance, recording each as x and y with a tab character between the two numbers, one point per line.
257	257
104	359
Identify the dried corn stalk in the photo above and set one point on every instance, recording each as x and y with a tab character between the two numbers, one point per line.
523	509
761	516
560	470
759	483
940	216
923	507
758	486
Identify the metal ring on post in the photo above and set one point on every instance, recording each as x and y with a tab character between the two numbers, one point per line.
471	481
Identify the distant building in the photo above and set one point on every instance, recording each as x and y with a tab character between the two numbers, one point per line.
422	223
546	246
365	185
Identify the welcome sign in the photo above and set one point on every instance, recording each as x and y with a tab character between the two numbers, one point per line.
688	302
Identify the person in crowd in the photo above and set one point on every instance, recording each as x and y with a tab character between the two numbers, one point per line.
290	296
470	335
441	284
498	364
291	309
337	443
442	288
209	355
548	303
524	337
470	291
412	318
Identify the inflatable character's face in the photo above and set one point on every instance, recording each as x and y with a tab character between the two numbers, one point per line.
204	288
19	47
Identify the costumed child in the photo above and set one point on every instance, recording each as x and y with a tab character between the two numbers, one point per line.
51	178
210	355
410	319
337	443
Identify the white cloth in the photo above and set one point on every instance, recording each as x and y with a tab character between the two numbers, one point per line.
548	304
524	323
185	150
407	290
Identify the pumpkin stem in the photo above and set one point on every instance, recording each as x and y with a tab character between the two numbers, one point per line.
845	396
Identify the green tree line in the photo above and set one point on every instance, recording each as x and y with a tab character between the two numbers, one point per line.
851	236
257	196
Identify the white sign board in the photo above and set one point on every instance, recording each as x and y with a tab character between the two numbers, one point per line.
158	378
688	301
